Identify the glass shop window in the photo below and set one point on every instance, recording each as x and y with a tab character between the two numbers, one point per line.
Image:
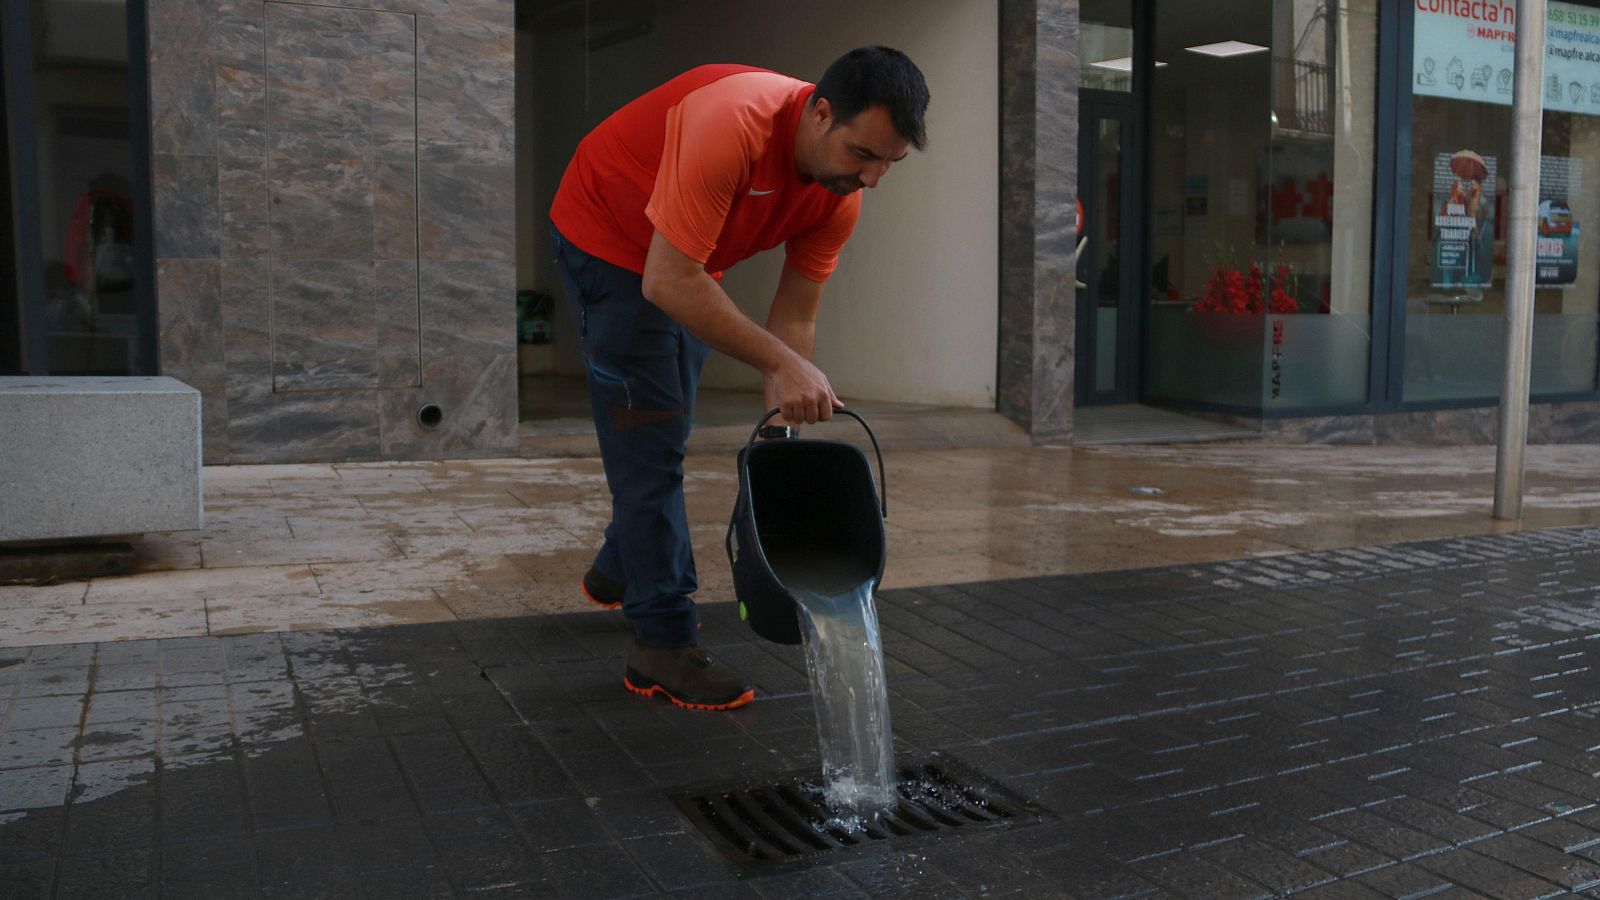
72	302
1261	143
1460	163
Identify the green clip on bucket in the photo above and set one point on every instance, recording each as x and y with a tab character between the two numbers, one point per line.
804	506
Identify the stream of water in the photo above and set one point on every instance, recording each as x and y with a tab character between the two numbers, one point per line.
844	657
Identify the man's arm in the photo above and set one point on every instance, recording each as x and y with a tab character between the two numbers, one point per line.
793	319
683	290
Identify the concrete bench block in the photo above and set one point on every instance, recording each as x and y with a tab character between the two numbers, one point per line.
94	457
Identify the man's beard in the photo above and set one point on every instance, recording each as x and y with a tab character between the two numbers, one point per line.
843	185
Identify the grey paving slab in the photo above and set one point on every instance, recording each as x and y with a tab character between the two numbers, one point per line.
1414	720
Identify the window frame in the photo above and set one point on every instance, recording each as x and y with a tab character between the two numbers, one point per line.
1395	138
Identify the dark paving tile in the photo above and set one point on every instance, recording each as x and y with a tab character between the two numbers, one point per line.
311	857
518	767
208	869
128	874
560	824
717	892
31	837
1569	871
34	788
1404	880
284	789
27	881
805	882
45	712
639	814
364	780
1344	890
392	846
202	798
113	807
1265	865
595	873
1489	877
442	772
477	862
37	747
679	861
407	886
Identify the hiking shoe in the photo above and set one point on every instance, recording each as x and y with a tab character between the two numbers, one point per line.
688	676
600	590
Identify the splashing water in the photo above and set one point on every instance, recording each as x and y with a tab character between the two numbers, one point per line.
844	656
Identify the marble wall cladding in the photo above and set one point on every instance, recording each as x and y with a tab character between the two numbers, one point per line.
247	316
1439	427
288	141
243	207
1565	423
466	211
321	209
187	216
1548	423
191	327
394	210
1039	131
1018	26
237	35
466	90
241	110
324	324
183	108
393	88
399	323
1320	430
468	352
313	426
192	343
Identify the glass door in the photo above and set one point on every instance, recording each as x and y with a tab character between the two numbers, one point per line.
1109	251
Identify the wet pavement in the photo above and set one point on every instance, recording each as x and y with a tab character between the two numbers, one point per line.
356	545
1402	721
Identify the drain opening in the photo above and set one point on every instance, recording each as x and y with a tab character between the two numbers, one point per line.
787	820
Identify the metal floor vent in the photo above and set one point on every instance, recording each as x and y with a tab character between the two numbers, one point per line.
771	823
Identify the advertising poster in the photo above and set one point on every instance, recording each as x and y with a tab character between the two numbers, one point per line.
1560	178
1464	50
1463	219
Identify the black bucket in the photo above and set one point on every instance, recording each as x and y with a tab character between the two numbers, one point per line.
809	515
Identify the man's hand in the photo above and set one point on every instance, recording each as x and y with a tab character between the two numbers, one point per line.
802	392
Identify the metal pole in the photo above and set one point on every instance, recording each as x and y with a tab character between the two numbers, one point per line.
1527	130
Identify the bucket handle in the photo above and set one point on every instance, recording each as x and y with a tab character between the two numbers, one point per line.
883	485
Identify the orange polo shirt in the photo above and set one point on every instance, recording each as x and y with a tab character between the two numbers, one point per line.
707	159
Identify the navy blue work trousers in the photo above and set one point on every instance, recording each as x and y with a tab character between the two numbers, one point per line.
643	369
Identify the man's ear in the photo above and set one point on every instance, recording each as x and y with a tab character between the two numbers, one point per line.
822	110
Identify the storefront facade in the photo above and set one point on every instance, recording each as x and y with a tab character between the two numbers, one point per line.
1290	212
1294	214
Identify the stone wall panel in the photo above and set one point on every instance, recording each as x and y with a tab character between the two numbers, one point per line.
188	222
324	325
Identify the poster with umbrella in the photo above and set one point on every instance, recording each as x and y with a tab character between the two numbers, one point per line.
1462	219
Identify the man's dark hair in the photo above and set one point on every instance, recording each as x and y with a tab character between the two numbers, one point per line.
878	76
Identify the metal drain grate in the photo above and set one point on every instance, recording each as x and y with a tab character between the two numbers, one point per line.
770	823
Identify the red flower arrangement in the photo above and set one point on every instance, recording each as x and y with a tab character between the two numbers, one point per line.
1248	293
